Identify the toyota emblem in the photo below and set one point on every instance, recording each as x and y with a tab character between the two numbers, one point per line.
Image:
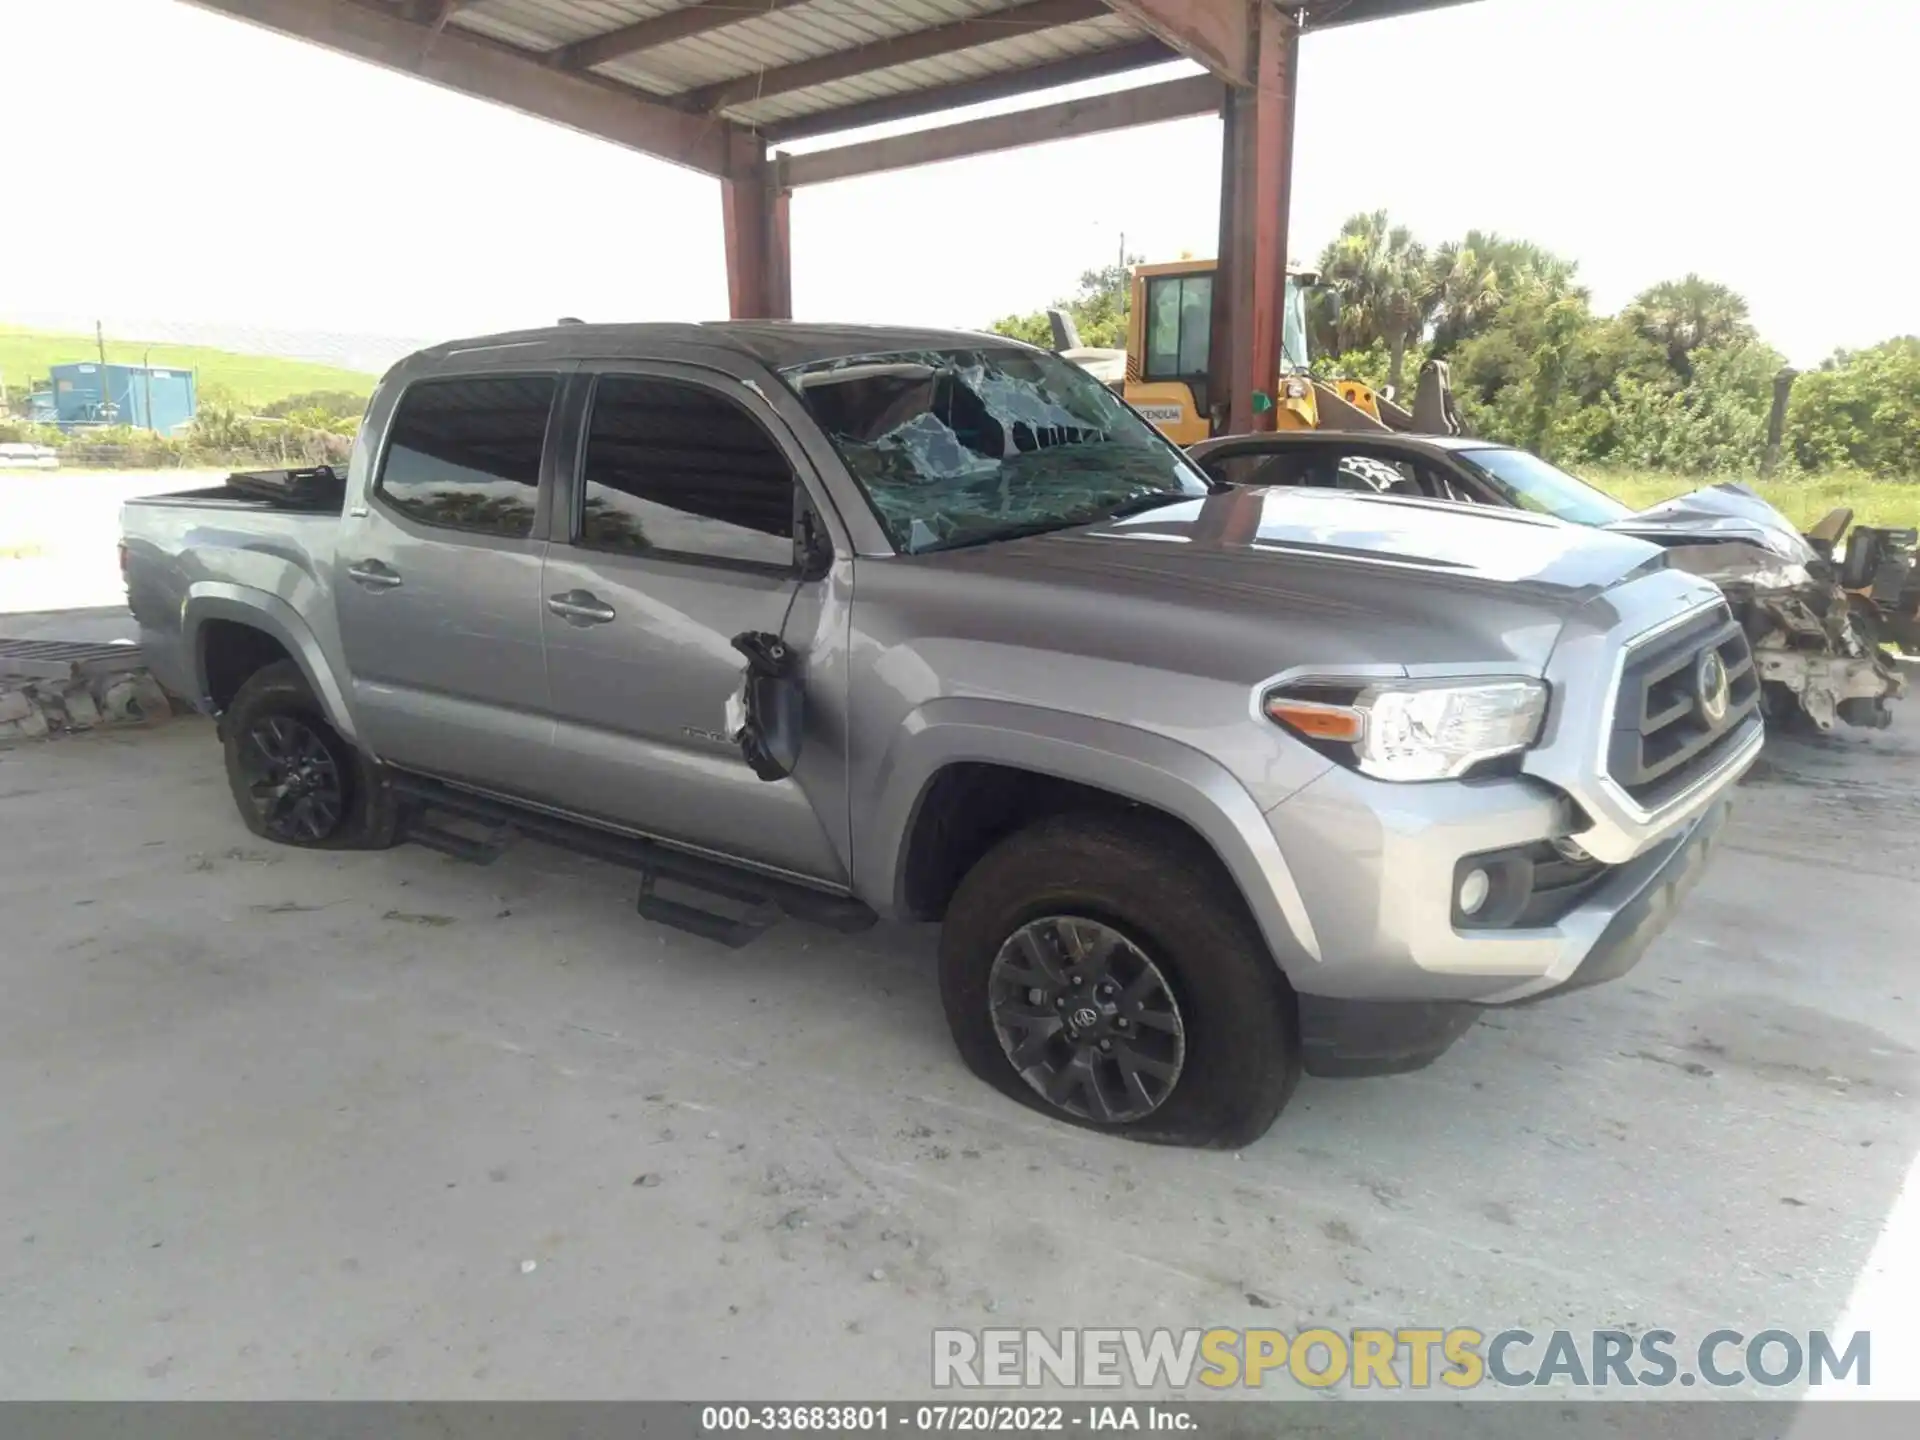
1710	683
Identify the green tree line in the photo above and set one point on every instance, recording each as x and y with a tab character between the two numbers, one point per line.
1677	380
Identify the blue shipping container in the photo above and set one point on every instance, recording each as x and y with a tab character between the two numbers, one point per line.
145	397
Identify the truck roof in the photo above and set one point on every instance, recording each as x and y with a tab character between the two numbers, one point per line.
776	343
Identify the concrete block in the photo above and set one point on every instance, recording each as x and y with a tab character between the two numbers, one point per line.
14	705
137	699
82	712
50	709
32	725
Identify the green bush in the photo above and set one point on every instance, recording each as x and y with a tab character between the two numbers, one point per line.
324	408
1862	409
19	432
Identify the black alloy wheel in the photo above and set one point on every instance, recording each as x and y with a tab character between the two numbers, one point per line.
1087	1018
292	778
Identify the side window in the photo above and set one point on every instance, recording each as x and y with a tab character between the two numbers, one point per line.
465	454
1179	326
674	468
1257	468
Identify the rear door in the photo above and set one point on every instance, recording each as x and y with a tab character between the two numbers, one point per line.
438	579
676	534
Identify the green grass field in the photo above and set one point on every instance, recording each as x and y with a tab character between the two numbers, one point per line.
26	355
1802	499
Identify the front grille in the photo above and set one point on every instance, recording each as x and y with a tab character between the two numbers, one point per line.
1662	736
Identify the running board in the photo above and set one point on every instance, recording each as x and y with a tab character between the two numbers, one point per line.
474	849
726	903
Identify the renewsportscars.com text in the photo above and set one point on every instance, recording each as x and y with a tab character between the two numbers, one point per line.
1404	1358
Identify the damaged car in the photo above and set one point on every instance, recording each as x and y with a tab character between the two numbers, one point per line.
1206	786
1818	660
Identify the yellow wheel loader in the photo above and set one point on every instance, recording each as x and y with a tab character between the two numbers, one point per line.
1163	371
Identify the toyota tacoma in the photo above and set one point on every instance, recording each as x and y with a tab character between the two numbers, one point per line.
1207	784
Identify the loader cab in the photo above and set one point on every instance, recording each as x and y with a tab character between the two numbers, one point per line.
1170	342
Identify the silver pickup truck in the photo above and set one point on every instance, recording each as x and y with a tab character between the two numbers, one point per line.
1206	784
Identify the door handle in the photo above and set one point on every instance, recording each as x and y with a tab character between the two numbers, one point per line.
373	575
580	607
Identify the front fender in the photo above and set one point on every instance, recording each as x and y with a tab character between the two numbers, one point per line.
244	604
1134	764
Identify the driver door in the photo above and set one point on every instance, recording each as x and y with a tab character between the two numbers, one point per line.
676	533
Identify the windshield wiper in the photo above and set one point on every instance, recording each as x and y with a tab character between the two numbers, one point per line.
1153	500
1132	506
1006	532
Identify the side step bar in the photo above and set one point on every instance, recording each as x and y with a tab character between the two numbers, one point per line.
750	903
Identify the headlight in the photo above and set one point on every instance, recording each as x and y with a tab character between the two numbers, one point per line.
1415	730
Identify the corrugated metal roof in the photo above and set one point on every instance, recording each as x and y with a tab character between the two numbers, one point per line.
824	27
760	42
1014	53
549	24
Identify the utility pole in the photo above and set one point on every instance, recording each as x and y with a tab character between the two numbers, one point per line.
1777	420
100	343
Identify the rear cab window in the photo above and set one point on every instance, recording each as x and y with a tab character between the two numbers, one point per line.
464	454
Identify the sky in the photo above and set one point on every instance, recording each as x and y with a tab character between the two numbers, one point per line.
193	169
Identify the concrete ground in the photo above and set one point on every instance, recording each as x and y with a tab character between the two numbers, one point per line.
385	1125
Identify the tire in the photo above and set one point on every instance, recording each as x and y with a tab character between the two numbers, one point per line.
274	733
1149	883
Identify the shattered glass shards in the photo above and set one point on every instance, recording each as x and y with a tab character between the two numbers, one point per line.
958	445
937	452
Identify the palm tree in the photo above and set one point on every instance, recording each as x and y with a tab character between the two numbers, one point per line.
1385	284
1467	291
1682	316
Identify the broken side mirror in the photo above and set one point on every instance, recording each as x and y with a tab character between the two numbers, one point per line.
767	717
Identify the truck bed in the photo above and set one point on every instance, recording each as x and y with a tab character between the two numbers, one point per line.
262	548
317	491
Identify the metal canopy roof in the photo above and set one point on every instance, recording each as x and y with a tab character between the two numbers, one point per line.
760	62
699	76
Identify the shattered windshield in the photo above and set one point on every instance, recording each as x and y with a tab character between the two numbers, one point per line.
961	447
1530	483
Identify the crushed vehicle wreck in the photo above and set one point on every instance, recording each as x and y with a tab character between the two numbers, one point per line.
1879	569
1206	786
1797	614
1819	664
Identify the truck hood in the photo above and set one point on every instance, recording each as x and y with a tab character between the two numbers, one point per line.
1377	539
1719	514
1325	575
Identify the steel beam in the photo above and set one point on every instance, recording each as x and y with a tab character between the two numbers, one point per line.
1142	105
1216	33
1100	63
896	50
484	68
655	30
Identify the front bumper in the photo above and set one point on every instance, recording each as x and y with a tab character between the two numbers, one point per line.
1376	866
1343	1037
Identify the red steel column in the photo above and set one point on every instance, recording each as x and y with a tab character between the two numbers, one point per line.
779	245
1256	191
753	214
